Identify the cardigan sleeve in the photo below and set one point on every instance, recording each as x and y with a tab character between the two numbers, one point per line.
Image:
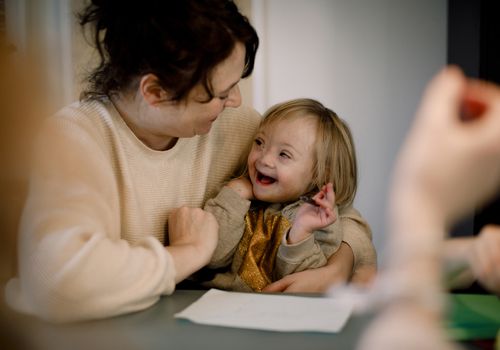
229	209
73	264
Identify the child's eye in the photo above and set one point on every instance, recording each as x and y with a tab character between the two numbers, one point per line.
258	142
285	155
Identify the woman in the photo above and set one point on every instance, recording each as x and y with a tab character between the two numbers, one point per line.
126	170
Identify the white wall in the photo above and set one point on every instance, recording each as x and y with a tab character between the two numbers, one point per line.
368	60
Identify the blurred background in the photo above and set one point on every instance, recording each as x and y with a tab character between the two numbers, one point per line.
368	60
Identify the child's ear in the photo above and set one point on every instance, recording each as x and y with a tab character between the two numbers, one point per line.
151	90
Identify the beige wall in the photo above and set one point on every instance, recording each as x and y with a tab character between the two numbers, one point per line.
245	7
83	54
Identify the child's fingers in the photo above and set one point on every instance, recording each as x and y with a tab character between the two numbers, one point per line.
326	197
330	194
325	215
330	215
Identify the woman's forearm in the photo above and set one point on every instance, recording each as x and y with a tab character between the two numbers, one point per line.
337	270
340	265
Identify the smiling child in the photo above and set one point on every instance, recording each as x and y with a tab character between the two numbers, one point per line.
267	229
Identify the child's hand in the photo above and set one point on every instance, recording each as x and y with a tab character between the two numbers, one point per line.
312	217
242	186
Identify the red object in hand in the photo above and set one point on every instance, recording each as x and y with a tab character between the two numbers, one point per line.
472	109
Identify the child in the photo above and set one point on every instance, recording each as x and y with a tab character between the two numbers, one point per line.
268	226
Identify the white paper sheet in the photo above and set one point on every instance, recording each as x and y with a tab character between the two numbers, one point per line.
268	312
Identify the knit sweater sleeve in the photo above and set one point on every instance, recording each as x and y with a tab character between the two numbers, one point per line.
229	209
358	235
73	263
310	253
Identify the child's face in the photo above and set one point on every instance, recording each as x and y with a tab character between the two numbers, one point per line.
280	163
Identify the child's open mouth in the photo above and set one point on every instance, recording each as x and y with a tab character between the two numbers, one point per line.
264	179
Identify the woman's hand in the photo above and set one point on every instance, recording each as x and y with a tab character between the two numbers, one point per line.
485	258
405	327
192	234
242	186
449	164
311	217
338	271
308	281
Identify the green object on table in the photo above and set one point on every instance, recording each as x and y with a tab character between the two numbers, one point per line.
473	316
497	343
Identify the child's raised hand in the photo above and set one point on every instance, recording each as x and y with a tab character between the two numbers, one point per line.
311	217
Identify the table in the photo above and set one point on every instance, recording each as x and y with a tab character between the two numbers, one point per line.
156	328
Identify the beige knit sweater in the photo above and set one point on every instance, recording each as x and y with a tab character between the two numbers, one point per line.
233	257
255	253
93	229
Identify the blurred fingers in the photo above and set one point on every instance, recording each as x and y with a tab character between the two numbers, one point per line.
481	107
443	96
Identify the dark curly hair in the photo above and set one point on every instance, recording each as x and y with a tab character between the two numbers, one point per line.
179	41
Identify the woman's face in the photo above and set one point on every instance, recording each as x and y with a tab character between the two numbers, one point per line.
195	115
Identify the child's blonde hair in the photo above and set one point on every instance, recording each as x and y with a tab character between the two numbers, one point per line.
335	156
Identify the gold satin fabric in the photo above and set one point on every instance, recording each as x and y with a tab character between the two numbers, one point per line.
258	247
